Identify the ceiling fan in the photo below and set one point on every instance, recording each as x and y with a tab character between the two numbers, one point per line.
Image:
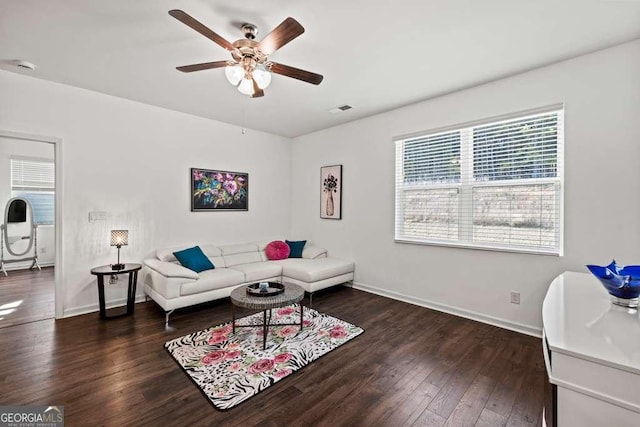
250	68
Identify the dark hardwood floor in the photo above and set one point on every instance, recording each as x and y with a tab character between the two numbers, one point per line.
26	296
412	366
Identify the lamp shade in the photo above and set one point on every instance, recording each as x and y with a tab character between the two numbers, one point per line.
262	77
119	237
234	74
246	86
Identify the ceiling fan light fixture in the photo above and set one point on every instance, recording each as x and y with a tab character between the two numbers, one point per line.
246	87
262	77
234	74
250	70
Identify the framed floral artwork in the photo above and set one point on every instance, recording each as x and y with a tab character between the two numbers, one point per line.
214	190
331	192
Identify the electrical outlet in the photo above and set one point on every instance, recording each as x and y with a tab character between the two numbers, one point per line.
43	250
515	297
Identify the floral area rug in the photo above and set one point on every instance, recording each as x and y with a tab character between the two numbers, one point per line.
230	368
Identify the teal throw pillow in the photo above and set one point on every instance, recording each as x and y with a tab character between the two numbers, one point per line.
194	259
296	248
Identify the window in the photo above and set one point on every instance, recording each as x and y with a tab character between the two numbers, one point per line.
34	180
496	184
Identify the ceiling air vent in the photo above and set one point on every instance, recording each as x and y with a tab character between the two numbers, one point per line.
340	109
23	64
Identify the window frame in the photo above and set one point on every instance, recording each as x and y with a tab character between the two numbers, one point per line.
467	184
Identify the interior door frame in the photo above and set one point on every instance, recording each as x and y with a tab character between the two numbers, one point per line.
59	265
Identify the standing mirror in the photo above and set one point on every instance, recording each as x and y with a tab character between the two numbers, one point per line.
19	234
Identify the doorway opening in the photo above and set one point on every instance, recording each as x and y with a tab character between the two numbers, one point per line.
29	229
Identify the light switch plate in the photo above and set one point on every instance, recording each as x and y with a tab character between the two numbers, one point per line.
97	216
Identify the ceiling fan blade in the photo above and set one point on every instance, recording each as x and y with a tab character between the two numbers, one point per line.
288	30
296	73
257	92
190	21
203	66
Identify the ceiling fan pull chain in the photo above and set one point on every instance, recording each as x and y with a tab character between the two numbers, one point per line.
244	107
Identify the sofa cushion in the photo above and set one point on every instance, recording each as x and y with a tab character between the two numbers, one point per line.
194	259
296	246
277	250
311	252
243	258
212	279
240	254
312	270
257	271
171	269
238	249
214	254
166	255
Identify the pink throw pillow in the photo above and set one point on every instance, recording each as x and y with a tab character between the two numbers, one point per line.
277	250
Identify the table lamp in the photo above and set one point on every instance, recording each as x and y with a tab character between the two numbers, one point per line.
119	238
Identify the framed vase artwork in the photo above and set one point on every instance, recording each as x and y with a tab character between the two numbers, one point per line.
331	192
215	190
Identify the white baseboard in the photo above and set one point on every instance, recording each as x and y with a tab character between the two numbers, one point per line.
456	311
25	266
92	308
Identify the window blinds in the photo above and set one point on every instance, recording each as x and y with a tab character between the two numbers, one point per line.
34	180
29	174
432	159
496	184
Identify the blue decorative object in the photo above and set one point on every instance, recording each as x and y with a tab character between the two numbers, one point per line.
194	259
622	283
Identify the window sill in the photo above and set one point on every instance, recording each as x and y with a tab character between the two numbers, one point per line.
529	251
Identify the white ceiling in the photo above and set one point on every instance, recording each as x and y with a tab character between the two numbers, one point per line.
374	55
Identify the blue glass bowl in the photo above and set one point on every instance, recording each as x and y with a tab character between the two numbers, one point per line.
622	283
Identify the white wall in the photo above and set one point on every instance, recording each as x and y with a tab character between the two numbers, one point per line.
601	92
46	233
132	161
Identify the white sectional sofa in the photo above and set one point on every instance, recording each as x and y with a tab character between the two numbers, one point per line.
173	286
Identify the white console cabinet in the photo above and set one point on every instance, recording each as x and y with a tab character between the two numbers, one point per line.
592	355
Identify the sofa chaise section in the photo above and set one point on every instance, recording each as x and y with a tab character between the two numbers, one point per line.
316	273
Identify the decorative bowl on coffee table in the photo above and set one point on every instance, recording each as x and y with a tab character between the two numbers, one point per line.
272	288
622	283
